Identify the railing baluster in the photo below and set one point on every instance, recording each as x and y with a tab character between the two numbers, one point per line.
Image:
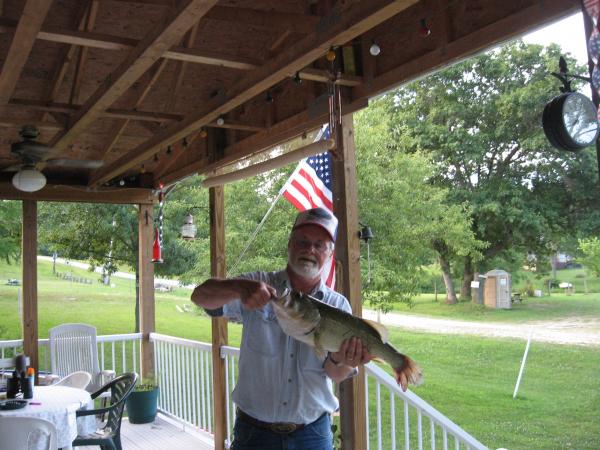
406	426
367	410
124	353
445	438
420	428
432	434
112	357
378	404
393	419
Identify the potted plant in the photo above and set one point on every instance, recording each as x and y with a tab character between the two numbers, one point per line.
142	403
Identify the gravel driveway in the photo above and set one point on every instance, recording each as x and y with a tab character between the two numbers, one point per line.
573	331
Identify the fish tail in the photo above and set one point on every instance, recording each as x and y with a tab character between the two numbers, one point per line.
408	373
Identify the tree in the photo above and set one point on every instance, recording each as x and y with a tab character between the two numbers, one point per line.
479	124
408	214
590	248
10	230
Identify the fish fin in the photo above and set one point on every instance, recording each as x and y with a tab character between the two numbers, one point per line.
377	359
319	350
382	330
408	373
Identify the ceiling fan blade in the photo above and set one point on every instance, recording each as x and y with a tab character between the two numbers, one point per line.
13	168
75	163
32	151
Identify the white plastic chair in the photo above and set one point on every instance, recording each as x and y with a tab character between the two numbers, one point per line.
80	379
72	349
18	432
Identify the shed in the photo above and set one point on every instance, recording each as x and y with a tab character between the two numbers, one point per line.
497	289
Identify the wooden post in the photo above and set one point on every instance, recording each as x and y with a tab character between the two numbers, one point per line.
219	324
29	270
345	207
146	269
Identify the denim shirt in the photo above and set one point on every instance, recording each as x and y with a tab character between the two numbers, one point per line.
280	379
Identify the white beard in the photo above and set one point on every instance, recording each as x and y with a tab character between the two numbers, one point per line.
306	269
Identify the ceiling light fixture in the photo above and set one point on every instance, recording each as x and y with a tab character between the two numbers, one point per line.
29	179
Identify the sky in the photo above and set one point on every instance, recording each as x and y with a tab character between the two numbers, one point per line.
568	33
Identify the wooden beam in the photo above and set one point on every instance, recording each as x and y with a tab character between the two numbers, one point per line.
180	70
219	324
147	323
29	270
342	27
40	125
279	133
148	51
151	77
29	25
109	42
82	56
486	37
66	55
144	116
347	253
323	77
56	193
269	20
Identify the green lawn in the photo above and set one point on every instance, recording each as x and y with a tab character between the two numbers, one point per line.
555	306
469	379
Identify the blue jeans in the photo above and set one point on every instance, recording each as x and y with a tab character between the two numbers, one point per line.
315	436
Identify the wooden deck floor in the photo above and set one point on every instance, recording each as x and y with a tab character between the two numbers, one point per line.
160	435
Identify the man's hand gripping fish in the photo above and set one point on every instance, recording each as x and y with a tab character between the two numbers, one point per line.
325	328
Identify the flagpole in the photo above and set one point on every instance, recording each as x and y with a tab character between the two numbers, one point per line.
260	225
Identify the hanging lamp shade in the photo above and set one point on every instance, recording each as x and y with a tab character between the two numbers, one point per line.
188	230
29	180
156	248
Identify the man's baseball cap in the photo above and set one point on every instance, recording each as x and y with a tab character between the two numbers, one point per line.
320	217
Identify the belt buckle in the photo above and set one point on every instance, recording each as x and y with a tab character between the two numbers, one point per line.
283	427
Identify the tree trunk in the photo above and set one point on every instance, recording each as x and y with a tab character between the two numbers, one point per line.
465	288
443	258
450	294
553	264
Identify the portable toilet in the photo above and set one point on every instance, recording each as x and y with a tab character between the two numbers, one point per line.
497	289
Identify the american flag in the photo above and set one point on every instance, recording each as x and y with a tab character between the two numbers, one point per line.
310	187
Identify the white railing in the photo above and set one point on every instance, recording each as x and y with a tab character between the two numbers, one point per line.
118	352
422	426
184	373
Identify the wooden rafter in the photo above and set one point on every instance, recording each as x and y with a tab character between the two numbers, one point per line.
152	76
344	26
82	54
109	42
148	51
191	55
28	27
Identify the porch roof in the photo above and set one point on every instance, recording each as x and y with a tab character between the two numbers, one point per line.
141	85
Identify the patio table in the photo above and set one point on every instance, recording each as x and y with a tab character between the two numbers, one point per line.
58	404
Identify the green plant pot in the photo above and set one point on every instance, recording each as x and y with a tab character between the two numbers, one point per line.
142	406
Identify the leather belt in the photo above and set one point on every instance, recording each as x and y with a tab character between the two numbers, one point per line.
275	427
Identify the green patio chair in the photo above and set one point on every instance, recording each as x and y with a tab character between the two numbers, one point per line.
109	437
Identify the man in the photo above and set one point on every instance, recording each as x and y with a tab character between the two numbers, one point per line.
284	391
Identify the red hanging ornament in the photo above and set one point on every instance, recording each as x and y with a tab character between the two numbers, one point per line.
156	248
424	30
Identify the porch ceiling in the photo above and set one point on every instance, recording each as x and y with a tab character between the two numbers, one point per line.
137	84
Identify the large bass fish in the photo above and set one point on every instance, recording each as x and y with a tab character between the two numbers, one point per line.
325	328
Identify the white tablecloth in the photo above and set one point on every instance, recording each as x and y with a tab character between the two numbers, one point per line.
58	404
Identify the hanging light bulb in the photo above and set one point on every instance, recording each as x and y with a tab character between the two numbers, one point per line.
185	143
203	133
169	149
221	121
424	30
330	55
374	49
297	79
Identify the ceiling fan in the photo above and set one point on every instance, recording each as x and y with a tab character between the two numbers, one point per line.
34	157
